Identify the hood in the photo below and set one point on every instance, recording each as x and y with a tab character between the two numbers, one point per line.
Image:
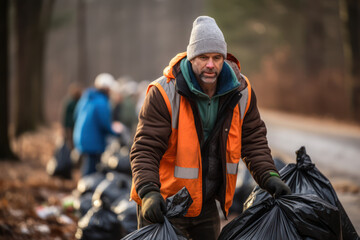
92	93
169	71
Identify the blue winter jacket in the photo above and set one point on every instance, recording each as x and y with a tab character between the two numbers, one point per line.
92	122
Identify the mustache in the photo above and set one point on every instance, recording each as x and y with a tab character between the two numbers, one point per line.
209	71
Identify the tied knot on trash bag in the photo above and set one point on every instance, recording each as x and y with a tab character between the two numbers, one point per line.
303	161
176	206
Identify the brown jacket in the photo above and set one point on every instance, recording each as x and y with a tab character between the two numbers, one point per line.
154	129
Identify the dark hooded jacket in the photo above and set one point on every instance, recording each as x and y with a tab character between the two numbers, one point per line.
154	129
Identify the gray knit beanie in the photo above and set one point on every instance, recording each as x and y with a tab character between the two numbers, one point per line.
206	37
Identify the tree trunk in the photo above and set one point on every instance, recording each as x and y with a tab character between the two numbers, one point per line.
31	20
350	16
5	150
314	39
353	24
82	43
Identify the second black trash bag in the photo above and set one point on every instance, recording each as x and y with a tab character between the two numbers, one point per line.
99	223
176	205
288	217
304	178
60	164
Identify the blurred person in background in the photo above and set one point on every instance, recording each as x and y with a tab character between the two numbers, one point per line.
68	121
196	123
124	109
93	122
141	93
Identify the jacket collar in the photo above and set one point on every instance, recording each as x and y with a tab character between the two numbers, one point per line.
173	71
226	82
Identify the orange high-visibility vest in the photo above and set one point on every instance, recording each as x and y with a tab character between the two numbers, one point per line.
181	164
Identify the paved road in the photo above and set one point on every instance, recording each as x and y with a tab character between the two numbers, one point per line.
332	146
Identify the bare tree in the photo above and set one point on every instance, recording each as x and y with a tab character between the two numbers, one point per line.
5	150
314	39
82	76
350	16
32	19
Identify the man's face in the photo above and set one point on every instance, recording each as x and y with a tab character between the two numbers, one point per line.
207	67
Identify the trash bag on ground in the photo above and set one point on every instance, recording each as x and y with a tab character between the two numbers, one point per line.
304	178
60	164
83	203
245	184
116	162
126	213
296	216
111	188
115	158
176	206
90	182
99	223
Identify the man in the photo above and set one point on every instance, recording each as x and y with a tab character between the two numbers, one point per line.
196	123
93	122
68	113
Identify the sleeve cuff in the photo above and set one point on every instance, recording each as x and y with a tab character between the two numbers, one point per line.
267	176
148	187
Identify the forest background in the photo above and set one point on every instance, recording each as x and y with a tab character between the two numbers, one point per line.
301	56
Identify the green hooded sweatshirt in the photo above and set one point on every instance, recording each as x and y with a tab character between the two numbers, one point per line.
208	107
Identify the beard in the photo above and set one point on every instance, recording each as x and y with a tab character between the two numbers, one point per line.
208	79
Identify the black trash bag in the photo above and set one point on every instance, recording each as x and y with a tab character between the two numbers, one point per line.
115	158
116	162
90	182
126	213
245	184
176	206
60	164
99	223
304	177
296	216
83	203
111	188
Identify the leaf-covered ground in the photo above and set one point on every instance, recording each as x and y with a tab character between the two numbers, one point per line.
26	190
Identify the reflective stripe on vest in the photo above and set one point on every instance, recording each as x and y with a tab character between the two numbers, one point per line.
174	99
186	173
232	168
243	102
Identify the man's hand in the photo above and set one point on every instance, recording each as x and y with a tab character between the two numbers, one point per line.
153	207
276	187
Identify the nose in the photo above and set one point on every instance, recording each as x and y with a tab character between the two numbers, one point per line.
210	64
